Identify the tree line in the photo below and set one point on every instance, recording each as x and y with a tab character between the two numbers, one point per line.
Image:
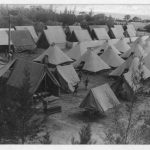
39	17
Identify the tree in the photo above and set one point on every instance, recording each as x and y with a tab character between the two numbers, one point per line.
136	18
84	135
6	117
46	139
110	22
127	17
147	27
123	132
26	126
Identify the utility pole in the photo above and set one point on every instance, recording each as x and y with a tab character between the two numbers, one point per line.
9	38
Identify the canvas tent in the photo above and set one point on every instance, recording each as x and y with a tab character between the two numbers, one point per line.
131	28
140	40
148	39
54	34
106	45
100	34
147	61
113	48
111	58
131	33
40	78
100	99
122	46
91	27
120	28
120	70
30	29
93	44
134	70
80	36
22	40
136	49
77	51
146	47
4	40
127	40
72	28
67	77
116	33
55	56
6	29
93	63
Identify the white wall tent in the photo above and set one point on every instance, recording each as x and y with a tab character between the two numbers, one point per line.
136	49
120	28
122	46
38	75
22	40
55	56
4	38
77	51
72	28
30	29
67	77
80	36
117	34
100	99
101	33
136	73
54	34
93	63
131	28
6	29
120	70
111	58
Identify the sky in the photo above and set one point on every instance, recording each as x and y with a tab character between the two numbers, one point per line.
119	10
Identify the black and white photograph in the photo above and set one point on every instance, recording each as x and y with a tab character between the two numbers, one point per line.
75	74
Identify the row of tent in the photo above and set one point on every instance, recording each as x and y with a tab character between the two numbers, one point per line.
64	77
111	56
100	98
25	37
42	79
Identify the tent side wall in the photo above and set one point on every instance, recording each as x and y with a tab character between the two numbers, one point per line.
63	83
73	37
93	35
111	34
42	42
22	40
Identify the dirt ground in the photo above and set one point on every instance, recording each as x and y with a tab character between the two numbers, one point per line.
65	125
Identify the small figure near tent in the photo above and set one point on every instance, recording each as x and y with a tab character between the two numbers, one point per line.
75	89
6	52
10	55
80	75
100	52
53	44
44	106
45	60
86	82
81	65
